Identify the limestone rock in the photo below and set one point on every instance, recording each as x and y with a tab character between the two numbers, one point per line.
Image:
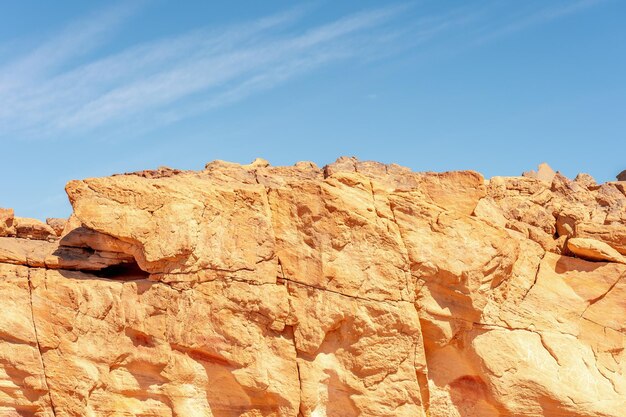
356	289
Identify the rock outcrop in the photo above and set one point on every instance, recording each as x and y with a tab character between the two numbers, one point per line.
357	289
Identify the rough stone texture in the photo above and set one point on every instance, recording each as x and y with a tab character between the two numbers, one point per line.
7	218
593	250
33	229
40	253
544	173
612	234
58	225
357	289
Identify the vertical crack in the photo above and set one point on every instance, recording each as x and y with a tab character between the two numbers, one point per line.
421	372
266	193
299	382
270	215
290	332
548	348
406	252
43	364
536	276
282	271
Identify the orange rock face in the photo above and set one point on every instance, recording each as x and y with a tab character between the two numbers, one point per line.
358	289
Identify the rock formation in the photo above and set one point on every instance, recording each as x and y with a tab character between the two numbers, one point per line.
359	289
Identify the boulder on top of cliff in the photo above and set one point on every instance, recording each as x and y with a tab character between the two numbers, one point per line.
544	173
621	176
585	180
58	225
33	229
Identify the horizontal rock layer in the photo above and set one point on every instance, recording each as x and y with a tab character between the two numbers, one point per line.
358	289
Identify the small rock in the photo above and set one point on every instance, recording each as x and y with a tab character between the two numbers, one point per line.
57	225
259	163
160	172
342	164
567	219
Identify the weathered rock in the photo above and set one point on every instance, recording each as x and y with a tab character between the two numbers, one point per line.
144	348
356	356
40	253
594	250
546	241
561	209
585	180
357	289
489	211
620	185
7	228
621	176
33	229
58	225
454	190
544	173
613	235
568	332
23	387
568	218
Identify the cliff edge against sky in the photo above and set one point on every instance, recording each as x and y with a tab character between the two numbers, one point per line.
358	289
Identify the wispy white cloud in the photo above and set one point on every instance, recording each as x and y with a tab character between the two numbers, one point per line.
225	65
75	40
536	16
60	89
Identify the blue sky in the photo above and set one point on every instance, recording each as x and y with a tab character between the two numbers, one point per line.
95	88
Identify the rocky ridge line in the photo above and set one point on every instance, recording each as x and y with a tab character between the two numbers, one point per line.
356	289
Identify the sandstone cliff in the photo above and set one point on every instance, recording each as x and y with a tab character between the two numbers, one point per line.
359	289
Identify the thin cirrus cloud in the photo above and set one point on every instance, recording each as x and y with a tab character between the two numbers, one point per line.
74	40
535	16
57	90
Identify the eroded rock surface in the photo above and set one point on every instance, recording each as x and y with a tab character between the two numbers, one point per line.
357	289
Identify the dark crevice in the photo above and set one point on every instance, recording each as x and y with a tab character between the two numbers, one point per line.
129	271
